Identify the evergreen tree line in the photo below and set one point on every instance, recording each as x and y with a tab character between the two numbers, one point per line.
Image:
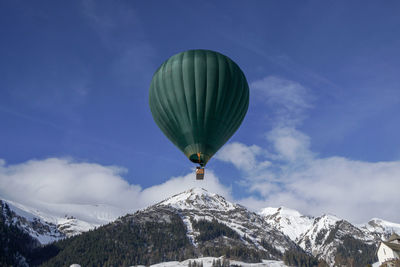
141	240
301	259
124	244
195	264
211	230
16	246
272	250
354	252
235	252
219	263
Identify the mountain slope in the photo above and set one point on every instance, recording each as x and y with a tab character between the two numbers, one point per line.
327	237
15	244
146	237
380	227
23	230
198	204
44	232
288	221
192	224
47	227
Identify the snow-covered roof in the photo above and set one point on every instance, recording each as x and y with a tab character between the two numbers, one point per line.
393	246
394	237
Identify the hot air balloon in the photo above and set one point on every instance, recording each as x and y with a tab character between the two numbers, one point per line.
199	98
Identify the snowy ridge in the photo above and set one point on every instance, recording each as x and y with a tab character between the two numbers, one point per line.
67	225
47	227
199	204
382	227
196	198
322	236
44	232
314	239
92	214
290	222
326	234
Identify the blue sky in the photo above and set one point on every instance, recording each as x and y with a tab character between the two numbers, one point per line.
323	112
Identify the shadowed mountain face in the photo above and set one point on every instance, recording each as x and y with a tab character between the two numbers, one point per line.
197	223
251	232
327	237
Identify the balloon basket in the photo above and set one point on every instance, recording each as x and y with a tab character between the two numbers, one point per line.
199	173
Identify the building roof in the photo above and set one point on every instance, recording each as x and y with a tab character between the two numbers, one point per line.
393	246
393	237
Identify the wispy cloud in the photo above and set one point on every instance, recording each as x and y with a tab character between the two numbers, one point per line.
107	19
28	117
132	64
288	101
282	59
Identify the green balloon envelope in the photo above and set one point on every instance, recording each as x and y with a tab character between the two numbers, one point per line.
199	98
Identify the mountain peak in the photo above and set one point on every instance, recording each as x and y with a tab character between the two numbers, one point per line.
289	221
198	198
385	228
328	219
281	210
197	191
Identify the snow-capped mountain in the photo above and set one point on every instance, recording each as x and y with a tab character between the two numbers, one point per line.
327	236
199	204
328	233
46	227
203	224
198	199
381	227
193	224
290	222
44	232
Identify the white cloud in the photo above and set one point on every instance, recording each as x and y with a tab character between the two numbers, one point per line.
298	178
287	99
254	204
64	186
179	184
240	155
289	143
354	190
